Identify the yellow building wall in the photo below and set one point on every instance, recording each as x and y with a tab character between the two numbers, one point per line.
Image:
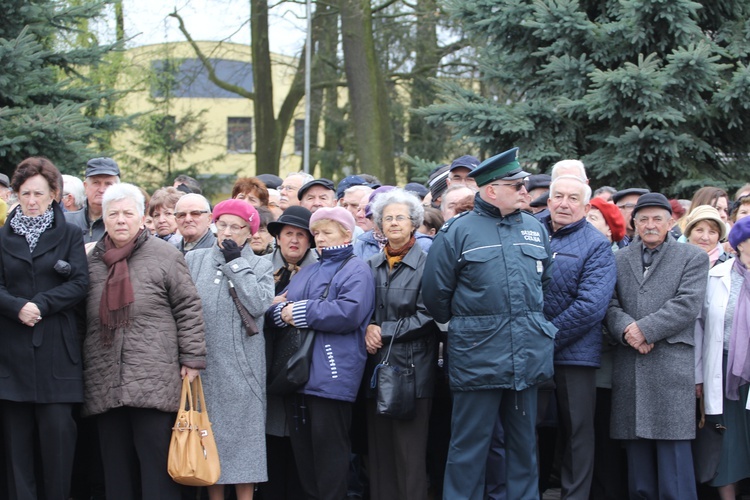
217	110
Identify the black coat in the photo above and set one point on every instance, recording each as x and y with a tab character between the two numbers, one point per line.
398	296
41	364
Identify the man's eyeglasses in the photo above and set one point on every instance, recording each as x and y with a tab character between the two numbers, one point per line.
234	228
516	185
193	213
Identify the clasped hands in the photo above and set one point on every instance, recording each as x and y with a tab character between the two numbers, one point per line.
635	339
29	314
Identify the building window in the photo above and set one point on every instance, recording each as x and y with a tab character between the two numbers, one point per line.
239	135
299	136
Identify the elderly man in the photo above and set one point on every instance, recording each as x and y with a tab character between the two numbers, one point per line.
660	289
318	193
74	194
575	301
353	199
485	273
100	174
290	187
193	215
4	188
452	196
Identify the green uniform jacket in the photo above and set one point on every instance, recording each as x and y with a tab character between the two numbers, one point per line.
485	273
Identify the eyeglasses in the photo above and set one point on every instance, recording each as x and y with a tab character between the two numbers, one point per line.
234	228
516	185
193	213
288	188
626	205
398	218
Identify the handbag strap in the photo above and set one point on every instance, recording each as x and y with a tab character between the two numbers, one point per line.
251	327
390	344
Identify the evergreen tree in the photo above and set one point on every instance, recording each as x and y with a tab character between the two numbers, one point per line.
48	104
649	93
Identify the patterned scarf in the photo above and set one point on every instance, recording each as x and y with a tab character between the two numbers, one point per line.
32	227
738	360
395	256
117	295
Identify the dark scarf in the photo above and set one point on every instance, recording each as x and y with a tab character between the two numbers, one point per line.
285	273
738	360
32	227
117	295
395	256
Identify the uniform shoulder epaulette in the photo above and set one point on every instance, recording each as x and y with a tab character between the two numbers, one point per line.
453	219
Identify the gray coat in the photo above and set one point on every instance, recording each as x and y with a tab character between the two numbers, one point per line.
653	395
235	378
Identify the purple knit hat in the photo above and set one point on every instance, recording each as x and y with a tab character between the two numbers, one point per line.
380	190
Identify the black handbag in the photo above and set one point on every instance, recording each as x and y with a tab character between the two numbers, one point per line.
396	391
709	437
290	351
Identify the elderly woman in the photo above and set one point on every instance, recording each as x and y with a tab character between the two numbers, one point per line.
43	275
261	241
161	209
610	467
252	190
235	380
722	334
145	332
397	448
321	410
293	251
704	228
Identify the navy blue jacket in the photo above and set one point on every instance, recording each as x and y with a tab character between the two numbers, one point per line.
339	321
576	300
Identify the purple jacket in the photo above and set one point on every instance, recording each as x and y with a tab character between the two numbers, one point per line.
339	321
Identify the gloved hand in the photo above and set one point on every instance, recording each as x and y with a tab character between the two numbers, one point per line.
230	249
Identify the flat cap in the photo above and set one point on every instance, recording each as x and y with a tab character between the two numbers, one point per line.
326	183
102	166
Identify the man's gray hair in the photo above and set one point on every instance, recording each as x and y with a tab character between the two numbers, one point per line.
569	167
450	190
124	191
585	188
74	187
359	187
194	196
398	195
305	177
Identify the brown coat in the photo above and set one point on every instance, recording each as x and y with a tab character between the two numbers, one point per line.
142	366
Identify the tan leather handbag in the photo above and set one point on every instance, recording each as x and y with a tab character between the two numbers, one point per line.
193	458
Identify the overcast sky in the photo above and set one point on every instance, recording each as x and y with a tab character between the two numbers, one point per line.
147	22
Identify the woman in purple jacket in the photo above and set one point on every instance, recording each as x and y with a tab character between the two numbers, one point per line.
319	414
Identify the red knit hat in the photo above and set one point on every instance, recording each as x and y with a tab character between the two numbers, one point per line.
241	209
612	216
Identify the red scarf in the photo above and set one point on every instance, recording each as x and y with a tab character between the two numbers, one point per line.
117	295
394	256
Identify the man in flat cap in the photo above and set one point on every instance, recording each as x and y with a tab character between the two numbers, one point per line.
659	292
318	193
485	273
100	174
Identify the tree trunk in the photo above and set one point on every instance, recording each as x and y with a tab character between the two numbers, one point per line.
267	142
367	92
424	139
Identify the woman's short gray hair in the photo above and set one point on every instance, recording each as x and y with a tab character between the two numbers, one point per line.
398	195
124	191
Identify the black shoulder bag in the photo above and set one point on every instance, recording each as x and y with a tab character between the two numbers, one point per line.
291	353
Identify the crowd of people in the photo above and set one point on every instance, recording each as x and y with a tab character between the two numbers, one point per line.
554	334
